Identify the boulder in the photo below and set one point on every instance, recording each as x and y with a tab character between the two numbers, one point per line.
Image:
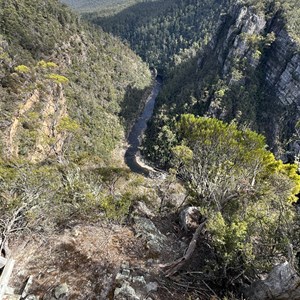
133	285
61	292
125	292
282	283
190	218
156	242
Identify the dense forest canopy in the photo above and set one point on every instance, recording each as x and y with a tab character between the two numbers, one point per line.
164	32
103	6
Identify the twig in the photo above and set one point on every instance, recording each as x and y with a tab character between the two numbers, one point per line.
210	289
172	268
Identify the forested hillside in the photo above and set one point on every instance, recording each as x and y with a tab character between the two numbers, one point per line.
105	6
186	41
247	73
89	68
68	92
164	33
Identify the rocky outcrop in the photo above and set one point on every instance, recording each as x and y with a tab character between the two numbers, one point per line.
190	218
155	241
236	45
281	284
37	141
258	60
131	286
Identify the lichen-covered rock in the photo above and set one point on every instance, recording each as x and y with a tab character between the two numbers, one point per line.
125	292
190	218
283	283
132	285
155	241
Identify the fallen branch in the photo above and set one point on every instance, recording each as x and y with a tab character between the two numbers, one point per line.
172	268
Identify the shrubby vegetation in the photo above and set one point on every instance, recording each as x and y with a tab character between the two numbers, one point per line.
63	87
246	195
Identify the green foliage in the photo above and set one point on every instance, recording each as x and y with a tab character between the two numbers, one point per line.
58	78
22	69
244	191
163	33
116	208
67	124
46	64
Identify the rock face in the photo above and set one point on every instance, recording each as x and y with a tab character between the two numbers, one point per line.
283	65
255	55
283	283
247	22
155	241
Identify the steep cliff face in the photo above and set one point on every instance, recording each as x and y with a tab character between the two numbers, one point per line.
248	72
283	65
257	72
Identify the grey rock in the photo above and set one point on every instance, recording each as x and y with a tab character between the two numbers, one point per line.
152	287
139	280
120	277
283	283
247	23
190	218
156	242
61	291
142	210
31	297
125	292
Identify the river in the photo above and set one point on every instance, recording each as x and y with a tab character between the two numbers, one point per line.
135	135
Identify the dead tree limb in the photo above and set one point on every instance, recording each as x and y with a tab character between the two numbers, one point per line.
171	268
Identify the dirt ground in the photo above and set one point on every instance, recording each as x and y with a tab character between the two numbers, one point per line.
86	257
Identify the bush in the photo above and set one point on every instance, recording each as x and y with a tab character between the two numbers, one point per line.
245	193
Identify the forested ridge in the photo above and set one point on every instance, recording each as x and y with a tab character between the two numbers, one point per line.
164	33
103	5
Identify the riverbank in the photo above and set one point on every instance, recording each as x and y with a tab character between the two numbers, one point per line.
136	133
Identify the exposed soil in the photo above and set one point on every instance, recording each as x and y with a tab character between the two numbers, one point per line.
85	257
88	258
